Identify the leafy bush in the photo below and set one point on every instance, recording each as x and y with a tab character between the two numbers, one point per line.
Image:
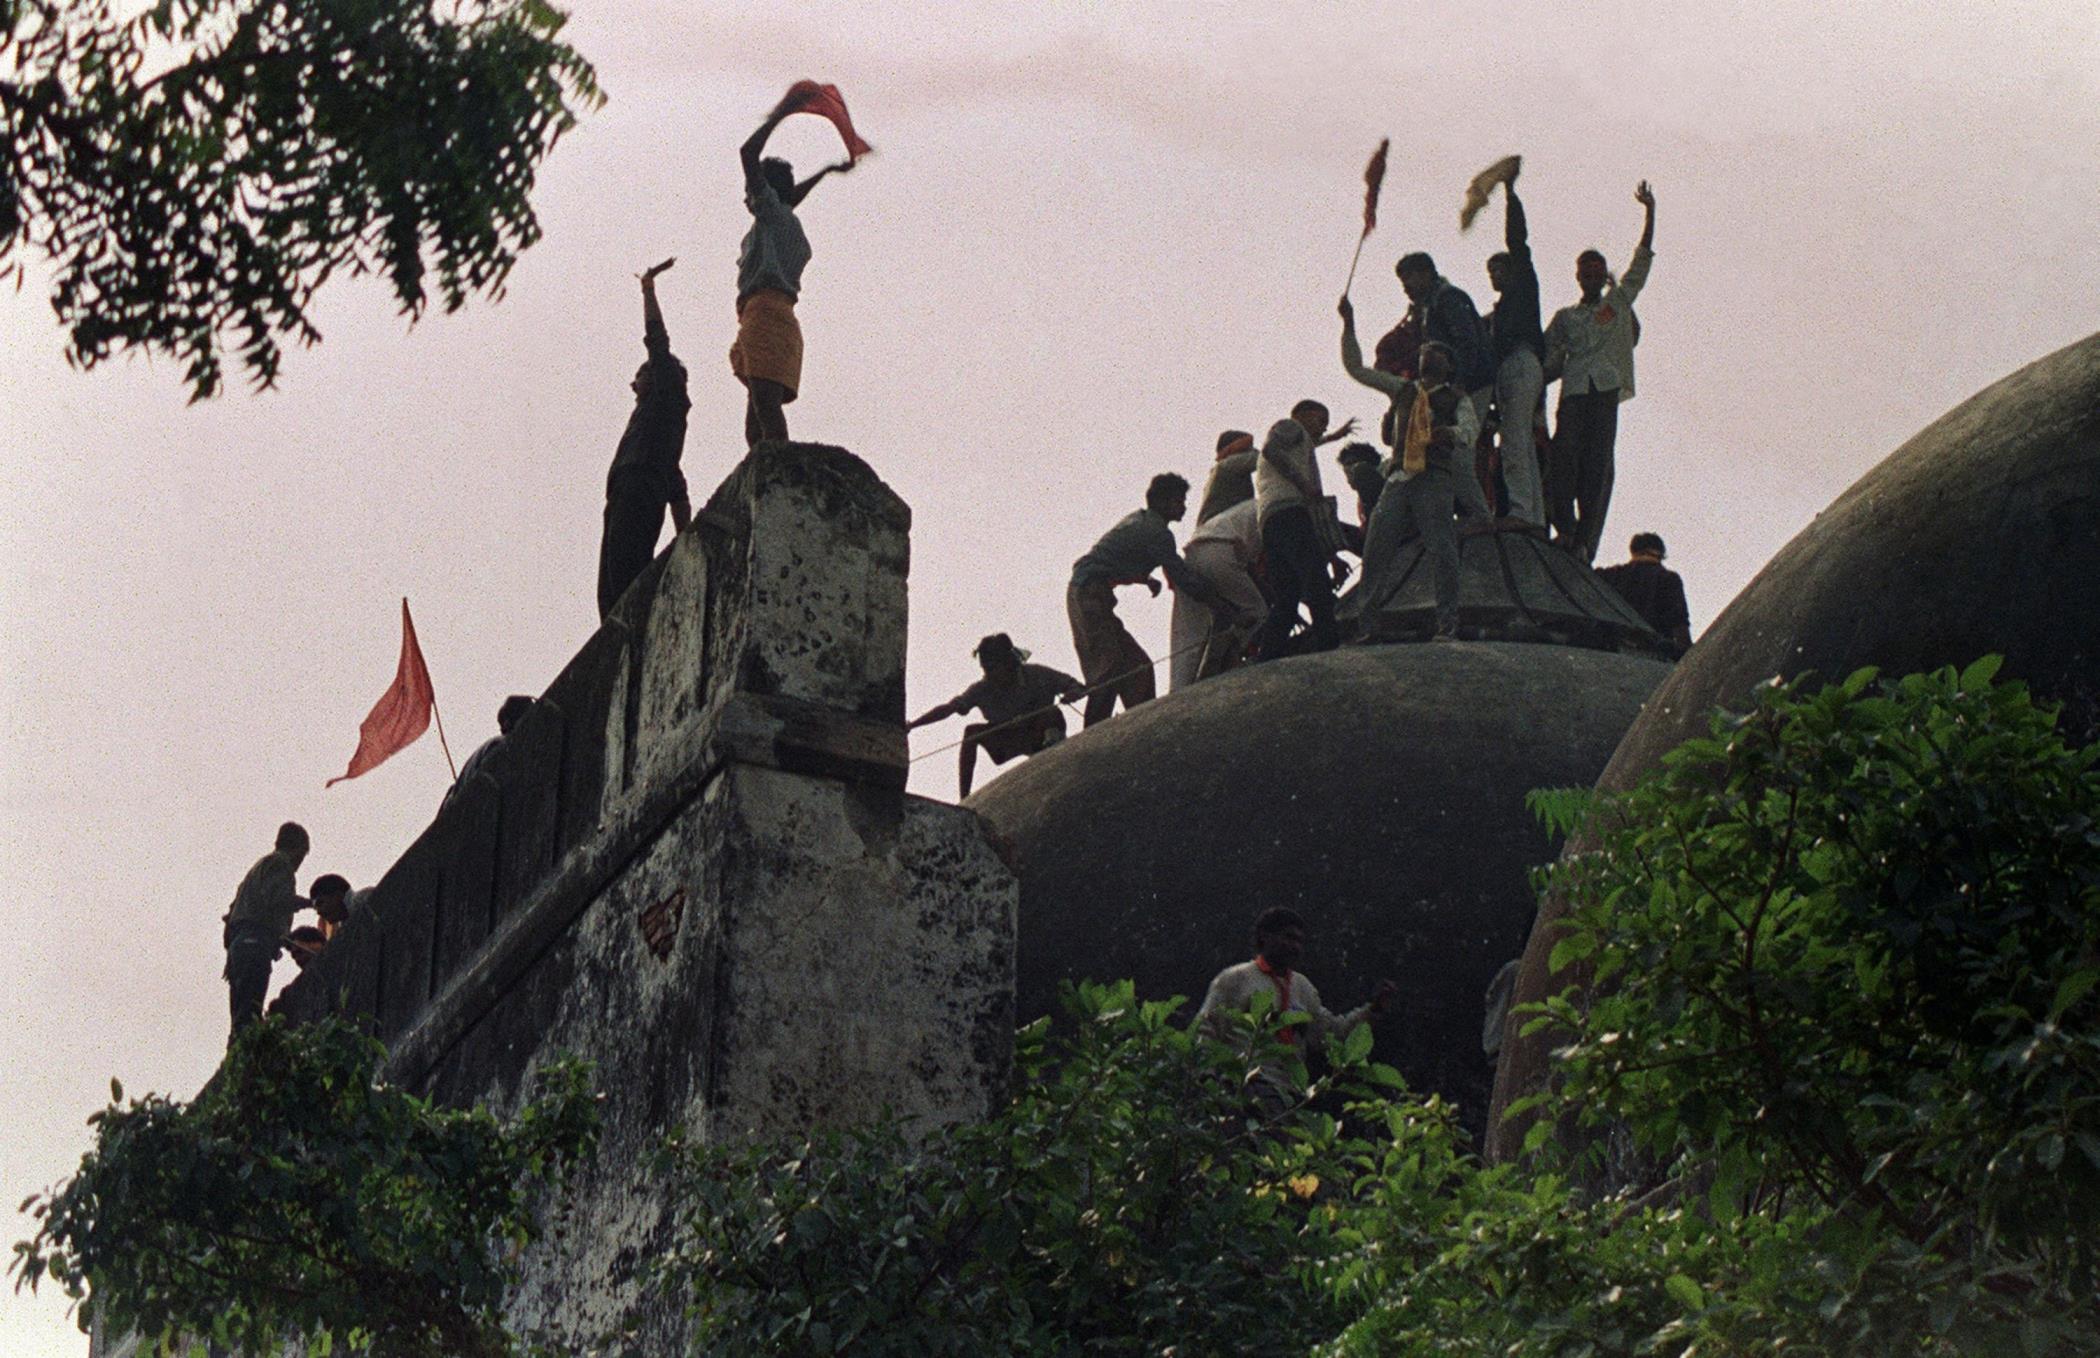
1141	1193
1840	966
298	1198
1842	957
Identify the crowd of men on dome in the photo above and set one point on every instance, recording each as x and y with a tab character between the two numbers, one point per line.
1466	453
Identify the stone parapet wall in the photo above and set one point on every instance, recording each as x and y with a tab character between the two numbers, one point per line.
694	864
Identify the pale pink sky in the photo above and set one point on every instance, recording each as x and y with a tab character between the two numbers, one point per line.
1092	237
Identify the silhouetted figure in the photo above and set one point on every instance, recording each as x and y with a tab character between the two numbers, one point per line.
767	355
1589	348
332	901
305	944
258	921
1653	590
645	477
1019	702
1114	664
1449	318
1360	469
1231	479
1279	945
515	709
1434	420
1517	345
1225	550
1299	535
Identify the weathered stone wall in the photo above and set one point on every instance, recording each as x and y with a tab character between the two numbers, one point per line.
695	865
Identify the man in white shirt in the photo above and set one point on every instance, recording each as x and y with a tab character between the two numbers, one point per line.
1589	348
1290	504
1279	945
1225	549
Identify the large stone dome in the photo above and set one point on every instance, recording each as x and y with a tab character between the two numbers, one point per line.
1980	534
1379	790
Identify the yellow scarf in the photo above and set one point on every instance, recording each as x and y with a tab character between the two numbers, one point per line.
1414	452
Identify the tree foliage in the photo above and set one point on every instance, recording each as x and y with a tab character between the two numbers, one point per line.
1134	1197
298	1198
1843	958
1842	963
196	169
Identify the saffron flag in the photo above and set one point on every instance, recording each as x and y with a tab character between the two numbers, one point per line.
807	96
402	712
1374	180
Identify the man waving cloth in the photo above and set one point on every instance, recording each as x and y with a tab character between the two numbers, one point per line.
767	355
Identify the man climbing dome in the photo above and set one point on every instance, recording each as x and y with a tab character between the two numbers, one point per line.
767	354
1140	543
1019	702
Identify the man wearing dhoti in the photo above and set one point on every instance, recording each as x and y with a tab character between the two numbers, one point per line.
767	355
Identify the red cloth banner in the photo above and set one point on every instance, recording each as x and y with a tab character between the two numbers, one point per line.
807	96
1374	180
402	712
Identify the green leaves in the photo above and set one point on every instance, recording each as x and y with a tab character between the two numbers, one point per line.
1849	940
199	209
1138	1194
296	1197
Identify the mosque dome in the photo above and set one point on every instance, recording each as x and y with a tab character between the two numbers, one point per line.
1378	789
1979	535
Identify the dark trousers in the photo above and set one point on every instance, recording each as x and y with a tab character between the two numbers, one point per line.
634	519
1297	566
1579	471
250	953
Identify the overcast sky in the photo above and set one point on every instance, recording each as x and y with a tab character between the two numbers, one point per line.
1093	235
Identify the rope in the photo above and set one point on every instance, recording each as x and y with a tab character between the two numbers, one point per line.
1072	702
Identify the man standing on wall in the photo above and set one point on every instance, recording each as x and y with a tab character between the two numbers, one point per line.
645	478
260	919
767	355
1432	421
